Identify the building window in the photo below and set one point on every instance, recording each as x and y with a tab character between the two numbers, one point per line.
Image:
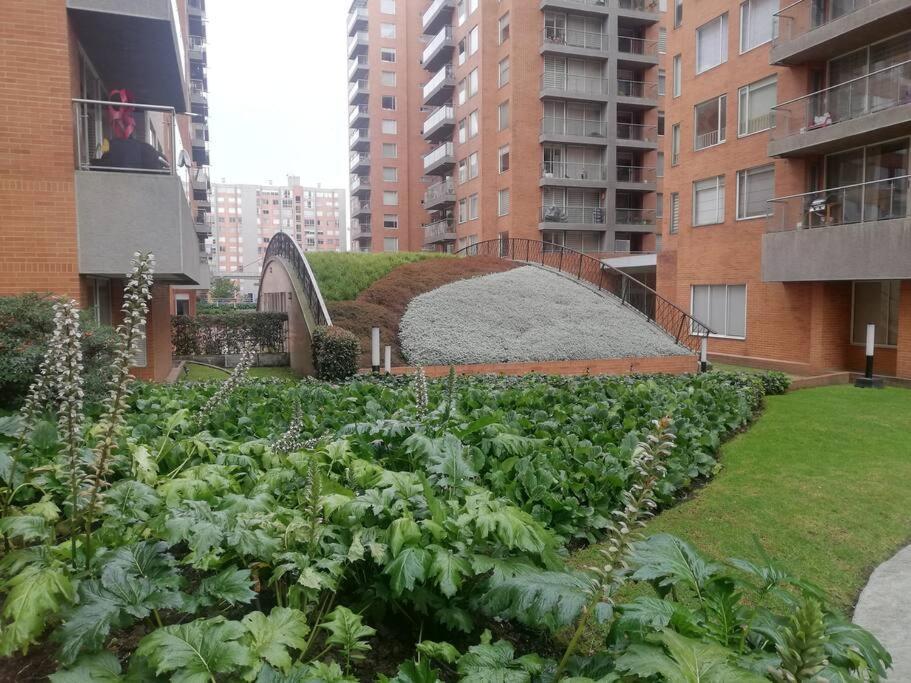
677	75
708	201
723	308
391	198
755	188
463	211
660	165
473	166
756	102
504	158
473	83
712	44
473	207
710	122
662	81
660	123
659	205
503	116
662	41
387	6
390	174
463	131
390	150
387	31
390	126
388	102
473	124
503	28
757	21
504	72
462	11
463	91
463	171
876	303
678	13
675	213
474	40
391	244
675	144
387	78
387	54
503	202
391	221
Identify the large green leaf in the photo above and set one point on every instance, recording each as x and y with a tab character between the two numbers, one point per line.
408	569
448	569
348	632
231	585
34	596
670	561
26	528
496	663
103	667
272	636
552	599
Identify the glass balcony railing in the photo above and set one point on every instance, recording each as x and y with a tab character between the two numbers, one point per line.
642	89
637	46
637	131
440	231
441	76
439	154
877	200
879	90
439	115
582	215
439	40
640	5
583	85
636	174
636	216
443	191
804	16
570	170
559	125
561	36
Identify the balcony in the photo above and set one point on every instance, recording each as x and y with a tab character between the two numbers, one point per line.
438	89
199	135
441	231
567	130
199	181
817	30
638	12
359	117
360	210
637	94
636	220
137	45
856	232
636	52
359	163
438	15
360	186
637	136
198	94
637	178
861	111
196	8
358	93
129	195
572	218
440	195
359	140
441	160
574	43
597	8
564	86
358	68
197	49
358	20
573	174
439	125
358	44
439	50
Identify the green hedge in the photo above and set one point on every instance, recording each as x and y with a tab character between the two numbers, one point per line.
207	335
335	354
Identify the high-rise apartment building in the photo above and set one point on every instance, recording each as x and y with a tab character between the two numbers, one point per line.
787	188
245	217
102	106
533	119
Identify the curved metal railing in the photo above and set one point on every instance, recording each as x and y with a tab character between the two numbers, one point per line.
670	318
284	246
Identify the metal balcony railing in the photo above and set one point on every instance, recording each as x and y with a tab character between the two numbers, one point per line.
358	16
359	207
359	38
439	115
358	159
445	150
581	215
436	43
113	136
639	5
197	88
358	135
282	245
641	89
709	138
356	64
359	183
562	125
636	217
358	87
197	43
439	231
447	72
569	170
559	35
637	131
431	12
440	191
584	85
877	200
804	16
876	91
357	112
637	46
636	174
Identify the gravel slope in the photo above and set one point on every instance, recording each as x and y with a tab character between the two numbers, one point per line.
526	314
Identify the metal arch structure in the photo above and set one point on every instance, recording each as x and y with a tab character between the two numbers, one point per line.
683	328
287	284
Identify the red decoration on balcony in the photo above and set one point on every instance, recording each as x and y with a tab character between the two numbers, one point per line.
121	118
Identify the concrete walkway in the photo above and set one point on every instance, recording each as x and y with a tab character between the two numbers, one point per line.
884	609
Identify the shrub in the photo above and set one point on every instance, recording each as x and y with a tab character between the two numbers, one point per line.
775	383
335	353
342	276
26	323
228	333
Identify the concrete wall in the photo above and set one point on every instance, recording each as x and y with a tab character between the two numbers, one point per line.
300	324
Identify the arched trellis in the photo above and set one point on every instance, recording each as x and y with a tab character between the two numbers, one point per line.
282	246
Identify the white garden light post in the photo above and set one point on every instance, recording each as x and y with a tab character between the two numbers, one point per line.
388	359
867	381
704	355
375	349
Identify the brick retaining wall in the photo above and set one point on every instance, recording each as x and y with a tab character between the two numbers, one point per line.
674	365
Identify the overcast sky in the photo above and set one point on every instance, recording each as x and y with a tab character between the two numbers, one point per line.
278	91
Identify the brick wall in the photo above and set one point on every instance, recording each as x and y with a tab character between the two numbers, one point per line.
903	355
158	336
675	365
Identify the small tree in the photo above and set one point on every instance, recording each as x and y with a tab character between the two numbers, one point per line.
223	288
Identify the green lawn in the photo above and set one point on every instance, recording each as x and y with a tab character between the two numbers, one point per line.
203	373
342	277
821	480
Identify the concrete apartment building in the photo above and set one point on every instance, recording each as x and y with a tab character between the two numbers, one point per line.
245	218
787	187
535	119
86	181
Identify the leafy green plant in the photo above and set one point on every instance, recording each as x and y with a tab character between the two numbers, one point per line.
231	332
335	353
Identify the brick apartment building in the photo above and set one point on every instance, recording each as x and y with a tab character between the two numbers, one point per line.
245	217
473	120
787	187
85	183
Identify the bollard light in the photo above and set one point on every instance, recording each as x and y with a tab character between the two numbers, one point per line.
375	349
868	381
388	360
704	355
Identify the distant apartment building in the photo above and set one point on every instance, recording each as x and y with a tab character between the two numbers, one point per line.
479	120
102	155
245	217
787	187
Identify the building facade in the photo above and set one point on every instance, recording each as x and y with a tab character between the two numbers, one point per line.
97	154
787	188
534	120
245	217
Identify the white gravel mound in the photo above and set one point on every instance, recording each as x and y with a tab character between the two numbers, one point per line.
525	314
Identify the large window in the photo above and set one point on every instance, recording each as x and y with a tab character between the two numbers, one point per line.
391	221
678	75
503	202
503	115
876	303
723	308
708	201
503	28
712	44
675	144
678	13
503	78
756	102
391	198
387	6
390	244
757	19
675	213
755	187
710	122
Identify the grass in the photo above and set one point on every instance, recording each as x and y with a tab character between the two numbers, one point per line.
342	276
820	480
204	373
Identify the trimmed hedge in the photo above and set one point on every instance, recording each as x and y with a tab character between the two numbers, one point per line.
226	333
335	354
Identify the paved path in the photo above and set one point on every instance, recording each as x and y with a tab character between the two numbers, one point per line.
884	609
